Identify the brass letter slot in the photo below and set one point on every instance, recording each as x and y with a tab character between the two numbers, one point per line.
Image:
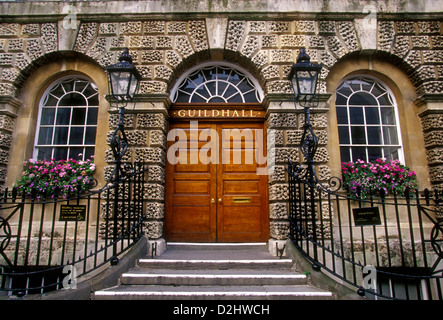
241	200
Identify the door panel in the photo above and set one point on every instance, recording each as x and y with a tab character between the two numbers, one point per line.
242	213
190	213
223	200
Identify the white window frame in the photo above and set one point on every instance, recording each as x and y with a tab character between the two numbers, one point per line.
248	77
396	117
70	126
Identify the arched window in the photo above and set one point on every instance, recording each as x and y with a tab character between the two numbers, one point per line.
67	121
367	120
216	84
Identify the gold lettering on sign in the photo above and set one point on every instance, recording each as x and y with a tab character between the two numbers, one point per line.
215	113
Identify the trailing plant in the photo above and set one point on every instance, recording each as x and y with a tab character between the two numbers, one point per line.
56	178
389	176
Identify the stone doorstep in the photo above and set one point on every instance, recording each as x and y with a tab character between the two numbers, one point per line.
254	246
267	292
212	277
213	271
214	264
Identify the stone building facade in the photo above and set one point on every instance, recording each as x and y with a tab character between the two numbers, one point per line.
398	43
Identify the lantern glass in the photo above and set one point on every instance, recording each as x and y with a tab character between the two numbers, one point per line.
306	84
133	85
123	78
304	77
119	83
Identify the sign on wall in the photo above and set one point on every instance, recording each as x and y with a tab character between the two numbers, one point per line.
216	112
366	216
72	213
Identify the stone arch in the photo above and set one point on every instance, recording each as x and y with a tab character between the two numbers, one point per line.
396	75
40	75
223	64
204	57
56	56
411	70
159	48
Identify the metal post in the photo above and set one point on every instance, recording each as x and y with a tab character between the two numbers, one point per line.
308	146
119	145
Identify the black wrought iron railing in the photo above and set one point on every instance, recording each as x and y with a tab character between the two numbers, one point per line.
385	247
46	244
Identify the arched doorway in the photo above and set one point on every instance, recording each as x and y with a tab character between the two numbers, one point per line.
216	183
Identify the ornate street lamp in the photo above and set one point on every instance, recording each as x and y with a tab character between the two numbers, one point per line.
123	80
304	78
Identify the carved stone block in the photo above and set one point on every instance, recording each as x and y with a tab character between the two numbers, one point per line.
278	210
257	26
155	210
7	123
179	27
281	55
154	192
131	27
150	155
157	138
269	41
279	230
282	120
154	27
154	229
293	41
236	29
151	121
197	32
435	156
348	34
304	26
326	27
279	26
279	86
277	174
250	46
278	192
156	174
147	87
9	29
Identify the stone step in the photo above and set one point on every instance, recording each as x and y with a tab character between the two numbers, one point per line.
266	292
240	277
255	246
213	271
215	263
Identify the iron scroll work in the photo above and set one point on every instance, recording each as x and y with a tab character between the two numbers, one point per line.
36	245
404	247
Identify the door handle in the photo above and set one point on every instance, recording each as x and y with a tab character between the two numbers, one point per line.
212	200
219	200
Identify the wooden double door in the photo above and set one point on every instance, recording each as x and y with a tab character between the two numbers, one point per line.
215	191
